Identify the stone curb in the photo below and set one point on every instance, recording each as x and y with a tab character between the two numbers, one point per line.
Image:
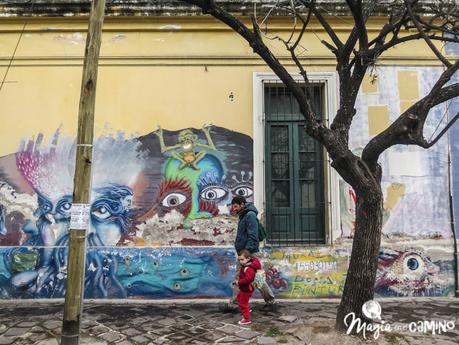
55	301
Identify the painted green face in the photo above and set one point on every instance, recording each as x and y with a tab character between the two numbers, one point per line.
188	177
187	137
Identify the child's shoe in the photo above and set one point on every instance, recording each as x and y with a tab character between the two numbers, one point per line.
244	322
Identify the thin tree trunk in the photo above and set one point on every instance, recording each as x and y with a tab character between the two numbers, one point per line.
361	276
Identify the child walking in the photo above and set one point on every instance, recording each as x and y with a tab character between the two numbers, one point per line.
249	266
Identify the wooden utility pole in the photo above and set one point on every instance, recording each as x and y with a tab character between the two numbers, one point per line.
82	181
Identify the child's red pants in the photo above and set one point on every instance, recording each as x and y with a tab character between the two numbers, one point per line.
243	298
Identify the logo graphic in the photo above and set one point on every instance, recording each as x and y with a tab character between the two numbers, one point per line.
372	310
375	325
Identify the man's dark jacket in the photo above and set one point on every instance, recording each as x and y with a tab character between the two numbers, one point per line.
247	229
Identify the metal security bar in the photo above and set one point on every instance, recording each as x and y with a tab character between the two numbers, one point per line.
294	170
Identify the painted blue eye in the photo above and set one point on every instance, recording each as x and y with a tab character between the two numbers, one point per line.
173	200
101	212
213	193
66	206
412	264
46	208
243	191
177	286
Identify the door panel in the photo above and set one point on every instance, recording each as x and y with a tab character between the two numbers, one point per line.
294	175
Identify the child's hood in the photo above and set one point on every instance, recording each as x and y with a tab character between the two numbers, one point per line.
255	263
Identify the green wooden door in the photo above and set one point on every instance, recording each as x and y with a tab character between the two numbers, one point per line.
294	173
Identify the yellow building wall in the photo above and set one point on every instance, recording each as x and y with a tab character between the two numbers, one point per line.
173	72
180	73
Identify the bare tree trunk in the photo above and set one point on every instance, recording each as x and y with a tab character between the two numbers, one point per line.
361	276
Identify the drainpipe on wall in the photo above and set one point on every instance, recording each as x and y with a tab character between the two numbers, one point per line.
451	211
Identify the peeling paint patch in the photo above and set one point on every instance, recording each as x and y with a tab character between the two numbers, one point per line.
52	28
119	37
74	38
170	27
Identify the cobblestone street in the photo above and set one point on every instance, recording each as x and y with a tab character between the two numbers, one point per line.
197	322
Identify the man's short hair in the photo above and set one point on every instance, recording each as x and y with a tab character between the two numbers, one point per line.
238	199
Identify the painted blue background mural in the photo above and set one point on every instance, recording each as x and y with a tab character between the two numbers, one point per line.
121	272
160	225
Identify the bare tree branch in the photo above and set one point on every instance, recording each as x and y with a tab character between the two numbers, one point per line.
357	12
443	131
313	127
426	38
353	58
408	129
293	48
311	5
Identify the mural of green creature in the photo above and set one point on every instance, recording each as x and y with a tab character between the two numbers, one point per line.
181	191
184	151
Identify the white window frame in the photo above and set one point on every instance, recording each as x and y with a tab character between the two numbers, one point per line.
329	80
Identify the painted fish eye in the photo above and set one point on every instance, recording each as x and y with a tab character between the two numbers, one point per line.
245	191
213	193
155	263
184	272
412	264
101	212
173	200
177	286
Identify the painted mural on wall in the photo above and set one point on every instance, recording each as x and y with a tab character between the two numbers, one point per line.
413	178
160	227
163	189
417	248
121	272
453	49
321	272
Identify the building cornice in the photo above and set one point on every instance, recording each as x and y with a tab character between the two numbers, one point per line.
151	8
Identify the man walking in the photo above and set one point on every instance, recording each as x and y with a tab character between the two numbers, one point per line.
247	238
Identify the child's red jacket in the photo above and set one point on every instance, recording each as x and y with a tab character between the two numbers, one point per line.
247	274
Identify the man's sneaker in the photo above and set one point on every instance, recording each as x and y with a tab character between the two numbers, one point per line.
228	308
270	307
244	322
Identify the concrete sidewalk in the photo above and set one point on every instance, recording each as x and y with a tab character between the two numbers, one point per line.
201	322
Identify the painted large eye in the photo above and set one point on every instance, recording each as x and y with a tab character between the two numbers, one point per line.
213	193
44	205
245	191
65	207
101	212
173	200
46	208
413	262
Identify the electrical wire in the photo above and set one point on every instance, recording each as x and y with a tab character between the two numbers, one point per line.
16	47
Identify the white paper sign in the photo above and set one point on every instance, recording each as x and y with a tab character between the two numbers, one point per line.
79	216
